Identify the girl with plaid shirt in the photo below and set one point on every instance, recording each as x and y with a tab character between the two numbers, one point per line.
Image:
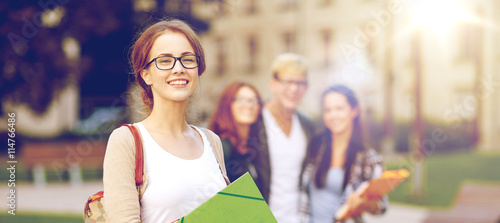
338	162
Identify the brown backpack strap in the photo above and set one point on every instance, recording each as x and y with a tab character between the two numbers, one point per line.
139	155
218	152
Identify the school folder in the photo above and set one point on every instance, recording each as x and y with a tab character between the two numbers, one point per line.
241	201
375	189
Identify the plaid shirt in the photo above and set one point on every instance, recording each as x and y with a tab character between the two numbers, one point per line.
367	165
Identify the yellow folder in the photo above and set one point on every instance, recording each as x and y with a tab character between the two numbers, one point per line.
375	189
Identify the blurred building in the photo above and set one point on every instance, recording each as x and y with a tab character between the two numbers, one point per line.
246	36
372	46
61	115
369	45
457	57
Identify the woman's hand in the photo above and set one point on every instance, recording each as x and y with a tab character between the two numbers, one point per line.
358	204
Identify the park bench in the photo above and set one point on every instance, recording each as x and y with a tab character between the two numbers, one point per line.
60	156
478	203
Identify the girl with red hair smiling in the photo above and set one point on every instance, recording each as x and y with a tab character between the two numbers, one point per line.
235	121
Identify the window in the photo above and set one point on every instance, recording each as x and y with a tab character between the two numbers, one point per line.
287	4
468	102
323	3
251	6
221	7
326	36
221	56
252	53
289	41
470	35
178	6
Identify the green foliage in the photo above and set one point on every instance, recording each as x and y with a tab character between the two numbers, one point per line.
22	217
443	176
33	62
53	176
438	137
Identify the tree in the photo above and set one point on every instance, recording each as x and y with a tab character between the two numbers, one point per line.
33	64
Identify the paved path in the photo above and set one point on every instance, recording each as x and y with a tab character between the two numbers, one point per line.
475	203
65	198
54	197
399	214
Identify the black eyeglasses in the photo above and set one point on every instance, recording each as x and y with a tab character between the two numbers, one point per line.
289	83
168	62
241	101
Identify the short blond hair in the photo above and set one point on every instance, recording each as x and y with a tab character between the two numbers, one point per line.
289	63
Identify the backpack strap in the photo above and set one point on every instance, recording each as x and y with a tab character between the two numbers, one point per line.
139	155
218	152
139	171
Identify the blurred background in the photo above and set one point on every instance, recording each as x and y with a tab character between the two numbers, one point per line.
426	72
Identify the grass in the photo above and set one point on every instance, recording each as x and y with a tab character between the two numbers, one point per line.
52	175
22	217
443	176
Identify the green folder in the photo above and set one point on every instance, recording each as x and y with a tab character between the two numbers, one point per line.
241	201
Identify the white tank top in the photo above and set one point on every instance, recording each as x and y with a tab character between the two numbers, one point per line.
177	186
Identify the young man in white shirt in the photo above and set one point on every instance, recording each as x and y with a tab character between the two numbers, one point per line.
287	133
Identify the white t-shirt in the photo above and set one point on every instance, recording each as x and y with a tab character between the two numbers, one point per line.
286	155
177	186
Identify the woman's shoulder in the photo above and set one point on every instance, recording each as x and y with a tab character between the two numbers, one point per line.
122	132
207	132
121	138
307	123
372	156
370	151
319	138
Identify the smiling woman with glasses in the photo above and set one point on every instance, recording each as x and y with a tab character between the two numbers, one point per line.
182	166
235	120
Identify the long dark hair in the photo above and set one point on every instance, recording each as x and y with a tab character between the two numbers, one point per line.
356	143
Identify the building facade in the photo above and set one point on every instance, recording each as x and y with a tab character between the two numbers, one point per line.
373	46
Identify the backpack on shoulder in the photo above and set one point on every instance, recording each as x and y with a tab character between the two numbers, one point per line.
94	211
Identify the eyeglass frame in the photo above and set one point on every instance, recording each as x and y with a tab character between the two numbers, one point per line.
175	61
241	101
289	82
